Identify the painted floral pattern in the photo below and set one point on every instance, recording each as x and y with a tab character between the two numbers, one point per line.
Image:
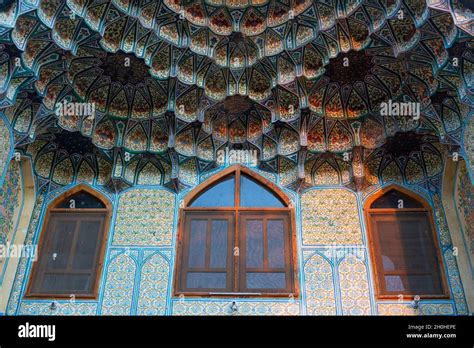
330	216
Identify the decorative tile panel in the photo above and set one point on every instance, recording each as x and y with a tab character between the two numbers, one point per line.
10	207
62	308
424	309
144	217
21	274
354	285
5	146
244	307
469	142
153	286
319	286
455	282
330	216
464	200
119	286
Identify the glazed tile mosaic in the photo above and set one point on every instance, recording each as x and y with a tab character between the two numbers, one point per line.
319	286
406	309
5	147
354	286
11	199
465	206
469	143
244	307
330	217
138	101
119	285
144	217
153	292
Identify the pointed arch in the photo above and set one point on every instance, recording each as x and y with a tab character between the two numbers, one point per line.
81	188
404	247
75	238
237	170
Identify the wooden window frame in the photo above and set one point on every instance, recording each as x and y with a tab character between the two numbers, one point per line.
237	170
43	241
375	252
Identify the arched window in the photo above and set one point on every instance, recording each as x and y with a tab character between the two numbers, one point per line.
236	237
404	246
71	246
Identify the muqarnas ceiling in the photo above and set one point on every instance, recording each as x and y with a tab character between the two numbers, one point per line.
174	82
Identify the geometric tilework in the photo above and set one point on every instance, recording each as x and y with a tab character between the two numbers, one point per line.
62	308
319	286
236	77
468	142
330	216
5	146
464	201
244	307
119	286
354	286
11	197
21	275
440	216
10	200
144	217
455	282
153	286
423	309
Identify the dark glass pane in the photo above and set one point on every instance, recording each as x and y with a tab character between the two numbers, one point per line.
254	243
407	246
266	280
423	284
219	244
65	283
219	195
276	244
391	200
60	250
417	284
82	200
197	243
197	280
86	246
253	194
394	283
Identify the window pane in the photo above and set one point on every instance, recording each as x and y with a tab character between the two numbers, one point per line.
403	245
415	284
219	244
391	200
407	247
82	200
266	280
252	194
276	244
423	284
197	243
60	251
65	283
254	243
220	195
197	280
394	283
86	245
